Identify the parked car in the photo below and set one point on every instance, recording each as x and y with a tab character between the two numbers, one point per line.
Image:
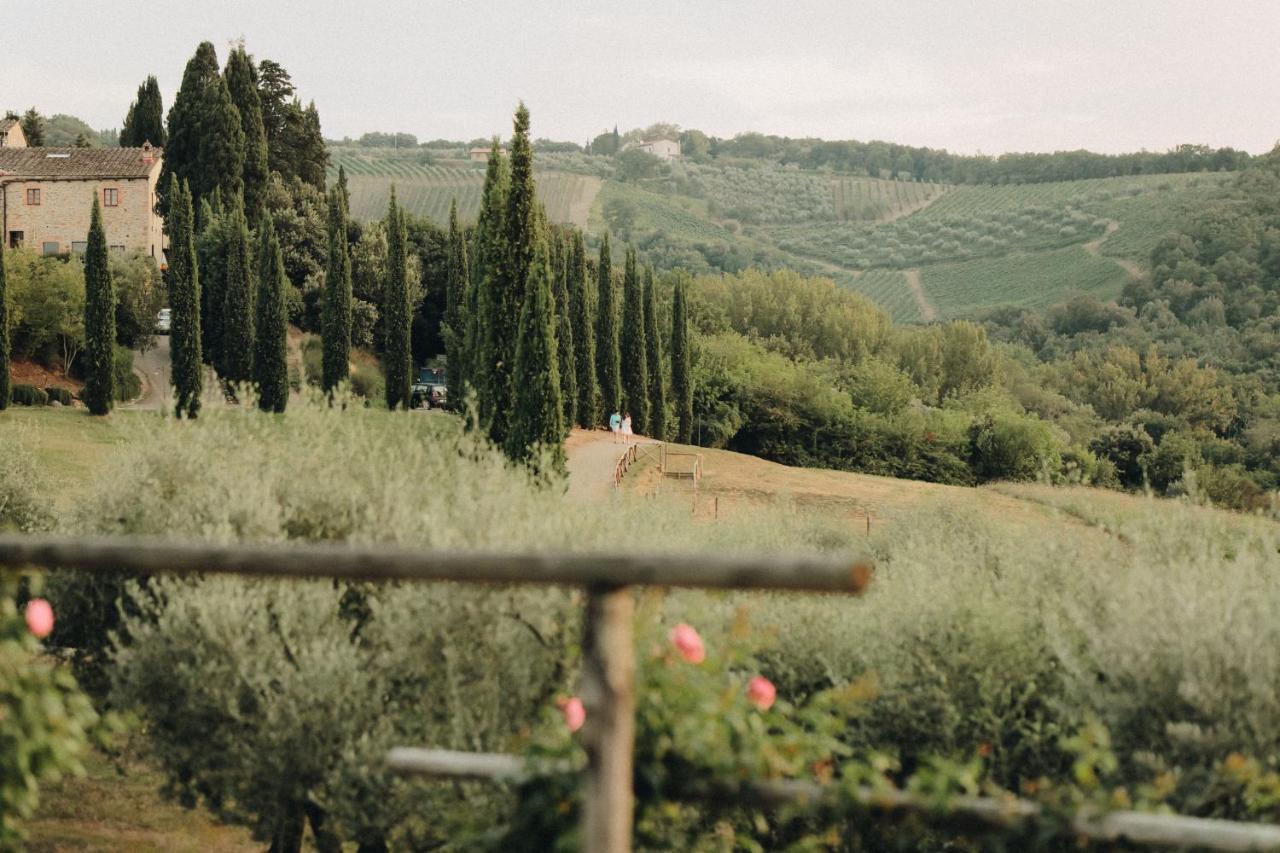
430	389
163	320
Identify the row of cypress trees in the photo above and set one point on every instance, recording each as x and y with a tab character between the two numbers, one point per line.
540	345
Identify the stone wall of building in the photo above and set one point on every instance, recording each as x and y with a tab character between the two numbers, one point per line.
62	216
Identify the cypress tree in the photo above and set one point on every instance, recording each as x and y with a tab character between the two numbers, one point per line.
99	319
635	365
243	89
565	358
582	316
653	359
488	276
335	319
342	187
33	128
456	318
536	424
222	145
508	291
211	260
145	120
681	378
271	325
4	335
186	122
397	355
238	299
608	352
184	301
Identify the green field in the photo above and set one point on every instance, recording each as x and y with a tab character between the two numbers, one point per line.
1031	281
427	188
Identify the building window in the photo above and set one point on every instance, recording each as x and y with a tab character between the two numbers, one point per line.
51	248
119	250
110	198
78	247
33	196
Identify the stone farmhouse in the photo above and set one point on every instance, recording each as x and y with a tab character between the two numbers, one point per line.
46	195
663	149
481	154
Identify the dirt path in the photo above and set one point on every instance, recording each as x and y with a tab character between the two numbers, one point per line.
927	312
1094	247
153	368
592	457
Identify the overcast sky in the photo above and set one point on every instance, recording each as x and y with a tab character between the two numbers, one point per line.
990	76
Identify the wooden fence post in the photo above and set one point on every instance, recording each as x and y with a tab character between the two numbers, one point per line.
608	694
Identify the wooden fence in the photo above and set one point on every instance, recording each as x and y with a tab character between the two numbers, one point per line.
608	666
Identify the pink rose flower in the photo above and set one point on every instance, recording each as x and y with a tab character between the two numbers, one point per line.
39	617
761	692
574	714
688	643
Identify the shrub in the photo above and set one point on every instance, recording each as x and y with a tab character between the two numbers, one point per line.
312	355
60	395
28	395
367	382
1009	446
127	384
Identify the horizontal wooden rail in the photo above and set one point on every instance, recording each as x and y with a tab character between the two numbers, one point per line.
968	813
708	571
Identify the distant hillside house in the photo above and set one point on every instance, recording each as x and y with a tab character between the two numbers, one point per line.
46	195
11	135
663	149
481	155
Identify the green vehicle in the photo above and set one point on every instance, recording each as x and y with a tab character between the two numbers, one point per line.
430	389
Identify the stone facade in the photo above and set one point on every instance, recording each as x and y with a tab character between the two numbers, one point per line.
664	149
46	195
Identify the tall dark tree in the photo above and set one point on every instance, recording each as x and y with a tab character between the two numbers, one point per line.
186	121
335	319
635	365
271	324
397	354
184	301
582	314
4	334
653	360
242	85
681	368
145	119
536	429
33	128
346	193
488	279
508	286
220	163
99	319
608	344
313	155
211	259
564	336
457	276
276	95
239	297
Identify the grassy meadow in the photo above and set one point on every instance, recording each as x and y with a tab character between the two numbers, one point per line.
1000	618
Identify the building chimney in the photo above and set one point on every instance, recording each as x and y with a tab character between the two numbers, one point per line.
147	156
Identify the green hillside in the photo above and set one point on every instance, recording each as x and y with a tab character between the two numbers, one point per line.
923	251
426	185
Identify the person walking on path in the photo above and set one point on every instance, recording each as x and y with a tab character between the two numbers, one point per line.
627	434
615	426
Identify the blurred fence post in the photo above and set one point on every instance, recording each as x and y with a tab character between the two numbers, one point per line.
608	694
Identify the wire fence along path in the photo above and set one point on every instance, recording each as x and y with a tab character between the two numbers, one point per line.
608	667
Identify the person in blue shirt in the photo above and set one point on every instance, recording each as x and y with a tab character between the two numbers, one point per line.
615	425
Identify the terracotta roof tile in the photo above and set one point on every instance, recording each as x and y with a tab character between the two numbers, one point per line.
6	123
35	163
